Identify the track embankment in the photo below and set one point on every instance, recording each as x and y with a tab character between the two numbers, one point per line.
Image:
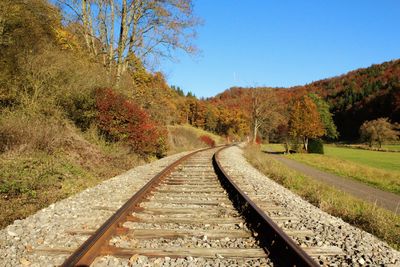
188	216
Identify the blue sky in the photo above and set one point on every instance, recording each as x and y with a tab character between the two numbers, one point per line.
284	42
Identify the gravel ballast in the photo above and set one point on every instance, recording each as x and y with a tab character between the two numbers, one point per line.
359	247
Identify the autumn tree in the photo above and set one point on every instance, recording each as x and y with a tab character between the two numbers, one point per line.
232	123
379	131
305	121
125	32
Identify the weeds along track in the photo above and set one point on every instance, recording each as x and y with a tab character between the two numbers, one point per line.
191	210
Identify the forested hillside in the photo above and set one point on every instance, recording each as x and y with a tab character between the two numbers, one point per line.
360	95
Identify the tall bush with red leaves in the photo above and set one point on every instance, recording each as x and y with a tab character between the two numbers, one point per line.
120	119
207	140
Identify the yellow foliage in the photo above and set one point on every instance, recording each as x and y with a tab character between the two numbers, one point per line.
65	39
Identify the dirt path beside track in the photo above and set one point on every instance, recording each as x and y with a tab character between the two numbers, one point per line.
383	199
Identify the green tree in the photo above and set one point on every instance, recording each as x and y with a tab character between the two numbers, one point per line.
379	131
211	119
326	116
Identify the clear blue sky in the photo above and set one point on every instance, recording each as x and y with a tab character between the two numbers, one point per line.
285	42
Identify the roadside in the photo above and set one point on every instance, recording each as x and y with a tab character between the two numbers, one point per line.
381	198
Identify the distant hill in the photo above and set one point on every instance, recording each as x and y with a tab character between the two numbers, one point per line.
360	95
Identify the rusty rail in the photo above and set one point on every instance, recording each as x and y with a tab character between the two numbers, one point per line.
279	246
95	245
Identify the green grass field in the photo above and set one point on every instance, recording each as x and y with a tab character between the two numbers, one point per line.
383	160
392	147
375	168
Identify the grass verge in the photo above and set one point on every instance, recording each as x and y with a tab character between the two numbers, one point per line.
347	163
377	221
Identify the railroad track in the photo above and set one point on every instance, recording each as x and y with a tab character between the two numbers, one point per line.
192	209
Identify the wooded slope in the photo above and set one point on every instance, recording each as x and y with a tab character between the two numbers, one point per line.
360	95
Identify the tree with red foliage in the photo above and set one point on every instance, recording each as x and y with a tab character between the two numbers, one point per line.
120	119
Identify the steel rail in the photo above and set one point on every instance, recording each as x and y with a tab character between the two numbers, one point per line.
96	244
281	249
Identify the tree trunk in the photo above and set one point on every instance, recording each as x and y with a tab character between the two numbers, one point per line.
123	33
286	143
306	144
255	131
103	31
90	29
111	42
85	25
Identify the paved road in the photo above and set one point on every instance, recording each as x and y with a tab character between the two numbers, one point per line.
384	199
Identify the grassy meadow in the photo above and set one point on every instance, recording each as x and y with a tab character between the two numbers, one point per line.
380	222
383	160
392	147
375	168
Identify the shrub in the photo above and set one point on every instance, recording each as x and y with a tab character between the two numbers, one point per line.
258	140
120	119
81	108
315	146
207	140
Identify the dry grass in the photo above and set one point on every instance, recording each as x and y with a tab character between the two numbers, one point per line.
375	220
186	137
28	132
